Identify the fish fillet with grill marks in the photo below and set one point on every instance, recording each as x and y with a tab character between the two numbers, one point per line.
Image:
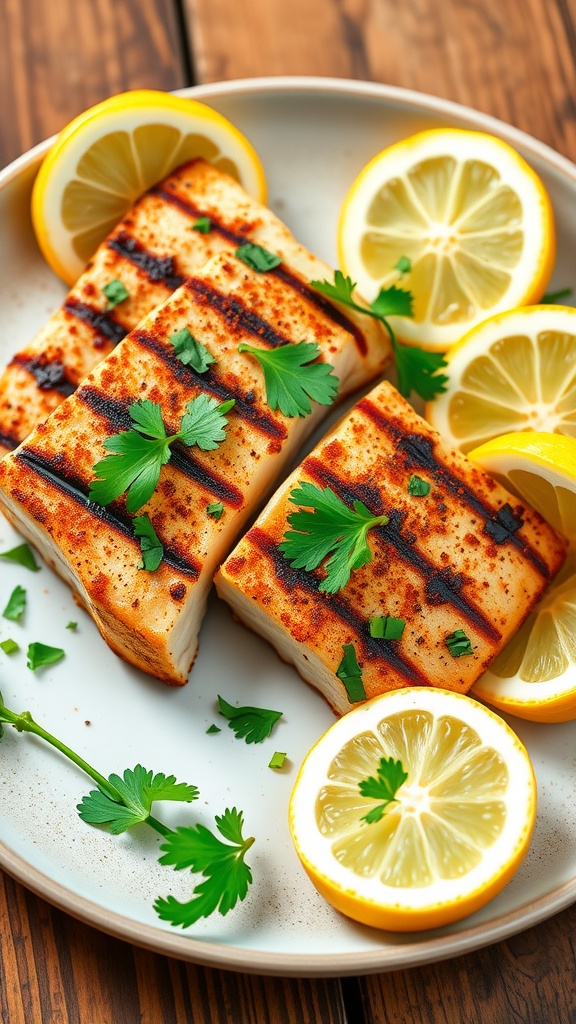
466	556
151	252
152	619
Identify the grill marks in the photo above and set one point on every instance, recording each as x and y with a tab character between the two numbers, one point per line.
76	489
101	322
157	268
289	578
236	314
281	272
117	415
419	453
440	586
49	374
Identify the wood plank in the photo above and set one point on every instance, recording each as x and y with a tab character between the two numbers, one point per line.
59	970
60	58
515	60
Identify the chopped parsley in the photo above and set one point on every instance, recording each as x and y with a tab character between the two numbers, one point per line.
203	225
40	655
277	760
72	626
191	352
150	545
23	555
16	606
404	265
418	487
458	643
386	627
139	454
324	525
212	729
9	646
252	724
116	293
215	509
292	377
350	673
417	370
553	298
257	258
389	777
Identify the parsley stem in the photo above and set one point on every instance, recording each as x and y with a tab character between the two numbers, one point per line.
154	823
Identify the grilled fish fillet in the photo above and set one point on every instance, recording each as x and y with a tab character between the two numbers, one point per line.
152	251
467	556
152	619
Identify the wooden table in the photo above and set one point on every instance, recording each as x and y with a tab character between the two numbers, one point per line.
511	58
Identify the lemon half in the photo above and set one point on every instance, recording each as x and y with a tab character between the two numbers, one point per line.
470	216
534	676
457	830
112	153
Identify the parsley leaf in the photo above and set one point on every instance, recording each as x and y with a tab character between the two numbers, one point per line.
389	777
458	643
72	626
553	298
350	673
215	509
116	293
277	760
257	258
16	606
417	370
404	265
191	352
40	655
330	528
386	627
137	790
226	874
23	555
212	729
202	225
139	454
418	487
150	545
252	724
9	647
292	378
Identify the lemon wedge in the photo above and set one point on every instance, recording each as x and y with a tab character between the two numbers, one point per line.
112	153
456	829
534	676
515	371
456	217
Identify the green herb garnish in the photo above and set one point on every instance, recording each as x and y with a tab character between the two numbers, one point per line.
390	776
115	292
121	802
139	454
404	265
16	606
324	525
277	760
418	487
23	555
417	370
40	655
257	258
251	724
9	646
350	673
458	643
212	729
215	509
191	352
292	378
553	298
150	545
72	626
386	627
202	225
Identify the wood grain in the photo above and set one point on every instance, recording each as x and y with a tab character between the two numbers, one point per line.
58	58
514	59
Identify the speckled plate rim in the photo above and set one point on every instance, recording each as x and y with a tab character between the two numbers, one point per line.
253	960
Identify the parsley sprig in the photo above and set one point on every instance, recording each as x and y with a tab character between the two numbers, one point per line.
417	370
324	525
383	786
292	377
121	802
248	723
139	454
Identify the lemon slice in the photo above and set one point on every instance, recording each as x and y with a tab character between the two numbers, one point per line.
457	830
535	675
516	371
468	217
112	153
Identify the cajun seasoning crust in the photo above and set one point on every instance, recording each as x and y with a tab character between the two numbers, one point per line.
152	251
446	561
152	618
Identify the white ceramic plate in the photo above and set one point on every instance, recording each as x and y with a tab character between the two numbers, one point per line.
313	135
